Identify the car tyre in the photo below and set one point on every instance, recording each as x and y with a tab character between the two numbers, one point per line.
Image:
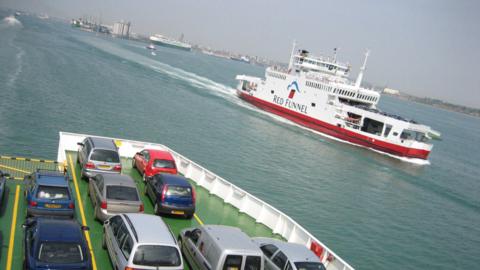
134	164
104	241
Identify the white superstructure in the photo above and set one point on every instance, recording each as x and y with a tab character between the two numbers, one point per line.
170	42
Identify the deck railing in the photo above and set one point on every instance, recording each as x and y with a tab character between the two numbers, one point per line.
259	210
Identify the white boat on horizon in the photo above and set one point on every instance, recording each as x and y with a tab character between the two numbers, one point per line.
170	42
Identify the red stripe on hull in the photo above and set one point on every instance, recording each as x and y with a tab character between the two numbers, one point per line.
335	131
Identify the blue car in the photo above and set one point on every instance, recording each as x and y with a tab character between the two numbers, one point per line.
48	194
171	194
55	244
3	185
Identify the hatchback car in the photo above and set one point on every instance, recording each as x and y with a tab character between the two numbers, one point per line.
55	244
281	255
48	193
113	194
171	194
98	155
141	241
149	162
3	185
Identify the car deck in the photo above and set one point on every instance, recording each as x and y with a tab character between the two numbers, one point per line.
209	210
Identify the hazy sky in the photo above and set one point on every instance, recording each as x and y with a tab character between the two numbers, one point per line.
423	47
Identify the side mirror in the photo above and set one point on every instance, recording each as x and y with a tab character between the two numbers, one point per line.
81	144
188	234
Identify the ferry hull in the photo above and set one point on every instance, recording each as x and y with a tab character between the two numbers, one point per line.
156	42
333	130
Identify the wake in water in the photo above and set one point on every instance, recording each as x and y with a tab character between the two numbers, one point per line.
11	21
216	88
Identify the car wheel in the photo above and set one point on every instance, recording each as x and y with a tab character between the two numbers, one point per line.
156	209
134	164
104	241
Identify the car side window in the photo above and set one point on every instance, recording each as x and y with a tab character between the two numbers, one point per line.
122	233
279	260
115	223
195	235
88	148
146	155
289	266
100	183
268	250
127	247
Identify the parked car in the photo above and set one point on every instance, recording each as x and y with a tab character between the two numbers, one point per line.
3	185
141	241
171	194
149	162
113	194
55	244
218	247
281	255
48	193
98	155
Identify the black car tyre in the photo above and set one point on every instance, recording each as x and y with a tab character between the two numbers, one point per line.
134	164
104	241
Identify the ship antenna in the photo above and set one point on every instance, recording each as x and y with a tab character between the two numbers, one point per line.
290	64
335	54
358	82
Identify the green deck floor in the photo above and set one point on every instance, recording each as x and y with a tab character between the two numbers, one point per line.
210	210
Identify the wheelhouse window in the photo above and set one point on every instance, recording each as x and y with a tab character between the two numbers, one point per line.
372	126
413	135
388	128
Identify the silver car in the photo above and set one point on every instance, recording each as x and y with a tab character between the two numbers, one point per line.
141	241
112	194
280	255
98	155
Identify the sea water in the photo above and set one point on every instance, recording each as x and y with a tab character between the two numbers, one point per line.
375	211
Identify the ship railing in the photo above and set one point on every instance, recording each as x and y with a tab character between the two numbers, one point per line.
259	210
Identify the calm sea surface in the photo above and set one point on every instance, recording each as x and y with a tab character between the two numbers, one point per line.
375	211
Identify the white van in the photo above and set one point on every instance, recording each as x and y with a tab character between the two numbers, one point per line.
217	247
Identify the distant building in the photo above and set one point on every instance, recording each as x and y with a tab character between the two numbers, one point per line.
121	29
391	91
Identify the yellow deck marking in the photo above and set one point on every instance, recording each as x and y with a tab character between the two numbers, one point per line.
12	229
198	219
82	213
14	169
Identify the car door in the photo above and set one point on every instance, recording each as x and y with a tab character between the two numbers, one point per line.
112	230
190	247
268	251
152	188
126	249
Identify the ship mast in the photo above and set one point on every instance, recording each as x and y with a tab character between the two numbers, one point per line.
290	64
358	82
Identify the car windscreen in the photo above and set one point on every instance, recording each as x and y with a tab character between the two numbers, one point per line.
179	191
155	255
105	156
52	252
52	192
122	193
309	266
163	163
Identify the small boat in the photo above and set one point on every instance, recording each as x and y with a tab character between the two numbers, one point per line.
151	47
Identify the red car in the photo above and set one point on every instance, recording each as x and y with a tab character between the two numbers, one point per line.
149	162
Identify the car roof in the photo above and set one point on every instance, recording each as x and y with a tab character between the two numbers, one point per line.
150	229
231	238
118	179
103	143
159	154
295	252
51	179
62	230
173	179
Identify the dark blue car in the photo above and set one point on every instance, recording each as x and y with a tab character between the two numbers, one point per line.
55	244
171	194
3	186
48	193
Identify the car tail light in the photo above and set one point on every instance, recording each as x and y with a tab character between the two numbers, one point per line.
89	165
141	208
131	268
117	168
33	203
194	195
164	192
103	205
71	205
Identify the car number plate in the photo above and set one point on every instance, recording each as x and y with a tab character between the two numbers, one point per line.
104	167
177	212
49	205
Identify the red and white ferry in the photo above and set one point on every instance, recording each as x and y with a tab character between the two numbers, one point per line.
316	92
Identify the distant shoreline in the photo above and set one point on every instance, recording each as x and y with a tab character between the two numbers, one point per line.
438	104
